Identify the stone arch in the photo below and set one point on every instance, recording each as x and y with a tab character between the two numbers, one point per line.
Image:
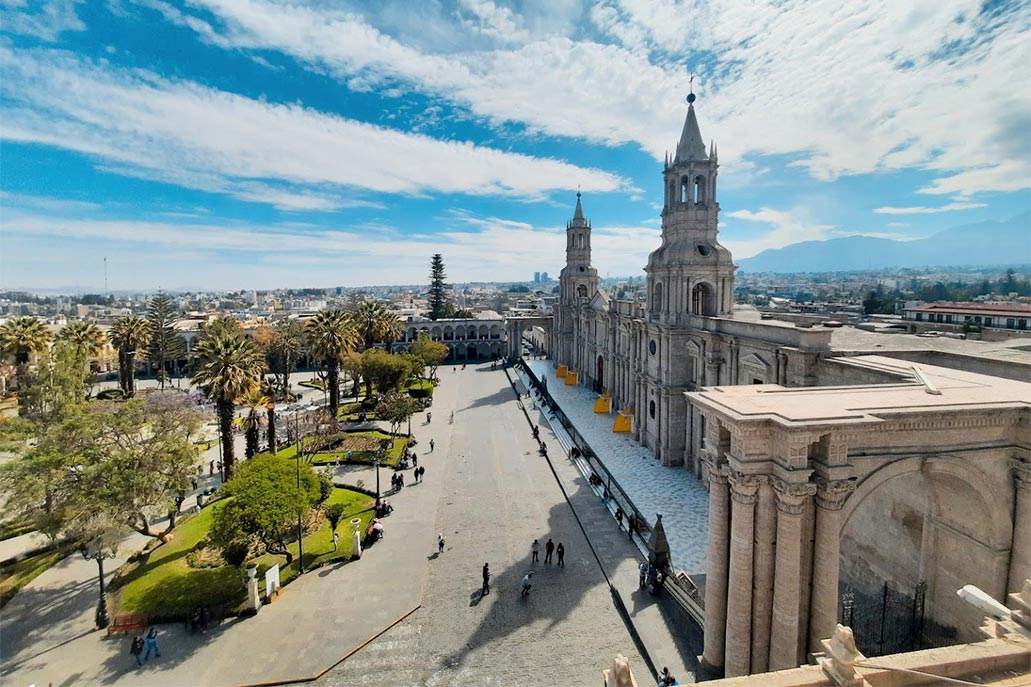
685	189
581	291
657	297
436	333
699	189
703	299
936	519
599	374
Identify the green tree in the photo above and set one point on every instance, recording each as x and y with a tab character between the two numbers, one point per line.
463	314
283	352
395	408
331	335
165	344
386	371
227	368
265	502
335	513
370	322
256	405
431	353
21	339
129	335
438	288
88	342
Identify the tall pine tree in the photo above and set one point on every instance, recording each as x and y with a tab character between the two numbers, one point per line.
166	345
438	289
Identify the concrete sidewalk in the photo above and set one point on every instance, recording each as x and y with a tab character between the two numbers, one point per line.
317	620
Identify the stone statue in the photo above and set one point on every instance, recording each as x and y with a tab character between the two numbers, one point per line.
619	675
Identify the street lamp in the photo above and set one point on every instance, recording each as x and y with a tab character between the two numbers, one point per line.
380	454
98	547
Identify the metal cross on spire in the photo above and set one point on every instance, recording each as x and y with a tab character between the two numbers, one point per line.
691	95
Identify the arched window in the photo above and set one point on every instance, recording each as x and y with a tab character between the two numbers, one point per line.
657	297
672	192
703	300
685	189
581	291
699	190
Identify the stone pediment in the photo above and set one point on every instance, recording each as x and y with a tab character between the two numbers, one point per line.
753	360
600	301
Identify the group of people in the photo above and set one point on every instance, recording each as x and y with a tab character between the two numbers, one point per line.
397	481
384	509
631	522
148	644
549	550
200	619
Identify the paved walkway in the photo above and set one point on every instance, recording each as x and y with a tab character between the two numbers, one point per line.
485	487
673	491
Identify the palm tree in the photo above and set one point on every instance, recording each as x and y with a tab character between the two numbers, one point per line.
256	404
129	335
270	413
392	330
228	367
86	338
21	338
331	335
285	350
369	319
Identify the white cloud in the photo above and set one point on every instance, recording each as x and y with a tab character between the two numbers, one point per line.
787	228
846	88
139	123
924	210
43	19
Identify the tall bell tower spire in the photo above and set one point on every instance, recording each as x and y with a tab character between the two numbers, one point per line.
690	274
578	281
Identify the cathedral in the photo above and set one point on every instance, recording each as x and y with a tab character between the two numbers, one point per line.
686	334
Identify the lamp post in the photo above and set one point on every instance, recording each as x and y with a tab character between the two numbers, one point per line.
300	529
379	457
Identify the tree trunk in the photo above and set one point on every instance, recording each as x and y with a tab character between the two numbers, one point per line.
225	430
123	373
272	430
251	441
333	382
142	525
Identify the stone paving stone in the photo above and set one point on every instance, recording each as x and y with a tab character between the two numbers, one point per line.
673	491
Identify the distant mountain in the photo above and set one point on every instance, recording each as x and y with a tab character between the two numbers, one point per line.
985	243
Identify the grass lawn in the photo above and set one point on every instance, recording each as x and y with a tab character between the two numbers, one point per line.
16	527
318	546
164	586
363	447
17	574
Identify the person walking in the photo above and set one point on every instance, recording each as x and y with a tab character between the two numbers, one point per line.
432	444
549	549
152	644
136	649
336	540
441	540
535	547
429	418
422	473
619	517
485	590
561	551
526	584
631	525
211	468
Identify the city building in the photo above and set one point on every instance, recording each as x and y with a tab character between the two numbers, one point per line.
979	314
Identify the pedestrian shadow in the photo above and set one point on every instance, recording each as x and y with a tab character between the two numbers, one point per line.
433	556
476	597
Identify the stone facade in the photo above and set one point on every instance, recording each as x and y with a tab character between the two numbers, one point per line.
684	336
921	481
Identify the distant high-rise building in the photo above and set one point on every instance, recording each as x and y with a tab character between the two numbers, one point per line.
544	278
536	277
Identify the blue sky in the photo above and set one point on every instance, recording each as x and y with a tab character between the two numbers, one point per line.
264	143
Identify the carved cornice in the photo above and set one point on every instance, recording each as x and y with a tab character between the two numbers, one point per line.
792	496
832	494
744	489
1021	473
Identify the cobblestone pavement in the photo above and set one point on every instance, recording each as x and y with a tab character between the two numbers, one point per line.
499	495
675	492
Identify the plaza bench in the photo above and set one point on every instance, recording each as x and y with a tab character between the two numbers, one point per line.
127	622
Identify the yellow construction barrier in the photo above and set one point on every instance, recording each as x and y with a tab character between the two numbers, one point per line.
561	371
571	378
604	403
625	421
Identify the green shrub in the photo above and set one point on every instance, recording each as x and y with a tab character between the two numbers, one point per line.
235	553
111	395
334	512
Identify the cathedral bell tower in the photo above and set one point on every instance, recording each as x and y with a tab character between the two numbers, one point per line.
578	281
690	274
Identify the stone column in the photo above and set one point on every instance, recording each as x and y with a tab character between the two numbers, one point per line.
1020	553
762	583
743	494
823	613
716	567
787	576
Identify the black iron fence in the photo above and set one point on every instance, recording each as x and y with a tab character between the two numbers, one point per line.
616	495
892	621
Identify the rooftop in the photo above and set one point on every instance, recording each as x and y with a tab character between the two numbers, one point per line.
957	390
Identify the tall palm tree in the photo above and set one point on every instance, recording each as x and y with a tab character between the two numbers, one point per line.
392	330
331	335
21	338
285	350
86	338
256	403
129	335
228	367
369	319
